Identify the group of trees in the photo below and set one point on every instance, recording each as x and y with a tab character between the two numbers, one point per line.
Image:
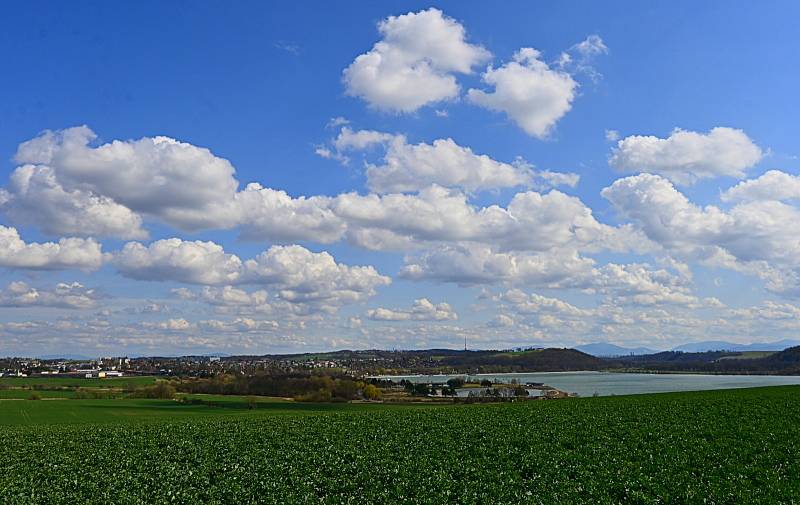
488	389
161	390
506	392
448	389
786	362
540	360
301	386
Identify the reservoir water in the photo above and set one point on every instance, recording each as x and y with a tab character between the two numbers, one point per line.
609	383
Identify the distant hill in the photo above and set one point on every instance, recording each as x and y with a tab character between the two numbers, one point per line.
426	361
455	361
785	362
720	345
536	360
603	350
678	358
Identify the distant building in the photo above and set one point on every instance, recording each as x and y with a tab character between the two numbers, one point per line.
95	373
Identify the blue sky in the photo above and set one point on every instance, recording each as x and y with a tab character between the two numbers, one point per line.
669	106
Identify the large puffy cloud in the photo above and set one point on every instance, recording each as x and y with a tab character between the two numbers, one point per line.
469	264
422	310
623	284
193	262
411	167
76	186
772	185
757	237
532	221
35	197
752	231
529	91
67	296
185	185
305	276
84	254
686	156
66	186
664	214
414	62
294	274
272	214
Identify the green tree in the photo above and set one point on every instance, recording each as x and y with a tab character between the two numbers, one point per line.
371	392
456	382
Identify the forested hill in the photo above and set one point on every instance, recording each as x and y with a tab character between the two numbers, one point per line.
539	360
449	360
786	362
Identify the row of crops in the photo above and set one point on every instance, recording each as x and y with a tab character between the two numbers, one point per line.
739	446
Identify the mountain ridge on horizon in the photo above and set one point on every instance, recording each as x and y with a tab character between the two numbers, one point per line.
598	349
606	349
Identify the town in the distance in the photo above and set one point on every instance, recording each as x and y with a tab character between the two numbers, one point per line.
779	357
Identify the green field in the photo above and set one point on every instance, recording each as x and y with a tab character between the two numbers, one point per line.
49	388
733	446
23	413
111	382
26	393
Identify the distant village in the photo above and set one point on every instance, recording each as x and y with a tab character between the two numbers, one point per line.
202	366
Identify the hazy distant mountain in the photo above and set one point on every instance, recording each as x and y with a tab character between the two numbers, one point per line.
602	349
720	345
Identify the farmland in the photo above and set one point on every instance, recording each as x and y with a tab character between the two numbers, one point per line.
48	382
737	446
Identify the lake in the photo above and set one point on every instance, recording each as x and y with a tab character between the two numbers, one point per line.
610	383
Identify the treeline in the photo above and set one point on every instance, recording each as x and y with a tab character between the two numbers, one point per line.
786	362
540	360
302	387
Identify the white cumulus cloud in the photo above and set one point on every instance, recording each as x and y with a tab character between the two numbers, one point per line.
35	197
685	156
64	295
292	274
756	237
529	91
407	167
182	184
84	254
772	185
414	63
422	310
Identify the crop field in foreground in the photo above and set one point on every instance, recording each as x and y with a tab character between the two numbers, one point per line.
734	446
